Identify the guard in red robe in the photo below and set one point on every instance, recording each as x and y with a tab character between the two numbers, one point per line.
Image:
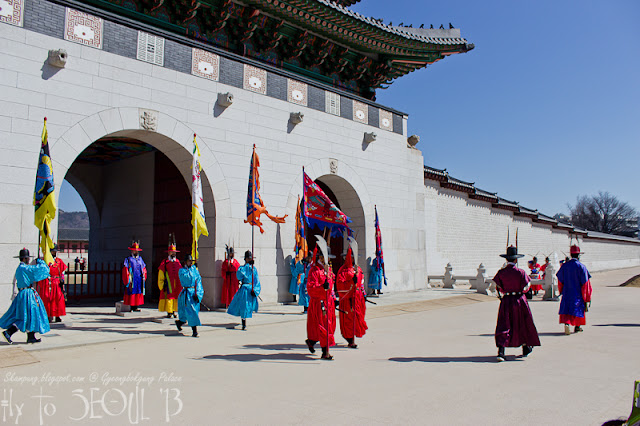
321	316
230	283
515	325
52	291
350	286
169	282
534	266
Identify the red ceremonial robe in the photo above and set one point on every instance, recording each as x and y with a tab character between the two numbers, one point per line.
321	324
230	283
352	323
536	287
50	290
169	299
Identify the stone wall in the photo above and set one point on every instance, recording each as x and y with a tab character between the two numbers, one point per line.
466	232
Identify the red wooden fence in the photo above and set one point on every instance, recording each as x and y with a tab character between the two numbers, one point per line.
98	281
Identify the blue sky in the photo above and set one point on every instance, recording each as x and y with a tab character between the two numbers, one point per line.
545	108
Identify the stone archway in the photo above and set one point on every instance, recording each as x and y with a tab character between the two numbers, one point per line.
174	140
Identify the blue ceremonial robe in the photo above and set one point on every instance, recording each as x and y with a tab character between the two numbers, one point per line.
243	303
376	277
303	295
27	311
136	266
575	287
188	309
297	268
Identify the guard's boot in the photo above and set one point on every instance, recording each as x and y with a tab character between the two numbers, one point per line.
306	308
31	337
135	309
9	332
379	292
168	314
244	324
58	319
351	343
501	356
294	298
578	329
526	350
567	329
310	344
195	331
179	324
325	354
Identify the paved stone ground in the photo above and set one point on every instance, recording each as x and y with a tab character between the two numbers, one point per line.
428	358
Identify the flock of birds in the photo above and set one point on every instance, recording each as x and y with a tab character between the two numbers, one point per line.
381	21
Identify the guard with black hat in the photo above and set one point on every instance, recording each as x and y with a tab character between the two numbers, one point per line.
230	281
245	301
515	325
574	284
134	275
52	290
27	312
190	296
168	280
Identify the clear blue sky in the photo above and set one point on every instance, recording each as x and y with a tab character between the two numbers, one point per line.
545	108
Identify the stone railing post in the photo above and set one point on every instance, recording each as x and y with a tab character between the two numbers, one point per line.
449	281
550	284
480	283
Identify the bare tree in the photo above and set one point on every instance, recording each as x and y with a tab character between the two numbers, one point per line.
603	213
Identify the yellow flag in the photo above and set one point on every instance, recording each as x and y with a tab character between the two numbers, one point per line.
198	221
44	199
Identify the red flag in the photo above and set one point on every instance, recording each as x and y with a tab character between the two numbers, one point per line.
320	211
255	206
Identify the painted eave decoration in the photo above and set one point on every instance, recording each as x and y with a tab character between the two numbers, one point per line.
320	39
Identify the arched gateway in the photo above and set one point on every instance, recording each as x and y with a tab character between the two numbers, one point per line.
135	178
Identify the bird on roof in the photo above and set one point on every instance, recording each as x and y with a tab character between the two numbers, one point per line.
441	27
431	27
450	25
422	26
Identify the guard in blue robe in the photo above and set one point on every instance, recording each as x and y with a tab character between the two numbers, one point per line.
376	276
27	312
190	297
245	301
303	295
297	268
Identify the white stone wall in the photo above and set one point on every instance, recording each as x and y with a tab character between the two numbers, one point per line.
99	94
466	232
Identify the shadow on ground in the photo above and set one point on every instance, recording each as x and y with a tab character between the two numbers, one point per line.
260	357
616	325
474	359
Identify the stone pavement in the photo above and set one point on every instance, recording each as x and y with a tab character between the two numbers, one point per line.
427	359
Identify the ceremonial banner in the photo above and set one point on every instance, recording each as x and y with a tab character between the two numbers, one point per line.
301	247
255	206
379	255
44	197
197	202
320	211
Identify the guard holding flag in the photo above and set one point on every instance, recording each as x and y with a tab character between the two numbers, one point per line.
245	301
350	286
134	275
169	280
321	317
52	289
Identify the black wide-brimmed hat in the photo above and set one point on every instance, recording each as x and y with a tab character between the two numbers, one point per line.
23	253
512	253
54	248
188	257
248	254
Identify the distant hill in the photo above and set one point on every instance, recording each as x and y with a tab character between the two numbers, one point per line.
73	220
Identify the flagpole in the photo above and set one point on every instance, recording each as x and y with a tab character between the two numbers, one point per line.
253	172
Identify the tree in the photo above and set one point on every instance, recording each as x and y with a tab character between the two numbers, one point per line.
603	213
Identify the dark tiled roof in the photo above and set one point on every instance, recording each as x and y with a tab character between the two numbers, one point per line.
73	235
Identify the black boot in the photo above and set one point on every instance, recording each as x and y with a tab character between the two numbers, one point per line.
306	308
244	324
577	329
58	319
526	350
501	356
325	354
379	292
351	343
310	344
168	314
31	337
294	298
135	309
195	331
9	332
179	325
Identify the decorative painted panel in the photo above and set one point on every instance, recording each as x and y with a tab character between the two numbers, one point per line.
150	48
11	11
83	28
297	92
255	79
360	112
332	104
386	120
205	64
